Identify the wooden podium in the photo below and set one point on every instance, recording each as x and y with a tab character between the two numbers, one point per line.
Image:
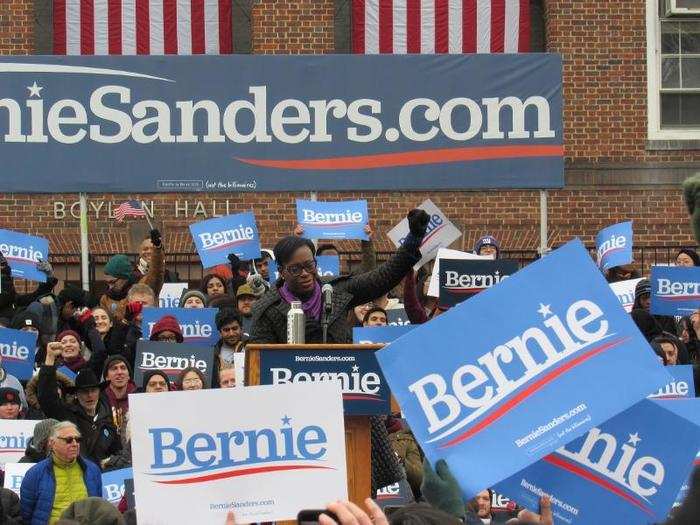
357	428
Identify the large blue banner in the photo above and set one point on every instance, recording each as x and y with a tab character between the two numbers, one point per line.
333	220
113	488
18	349
365	391
197	324
675	290
614	245
22	252
682	385
621	471
475	384
237	123
216	238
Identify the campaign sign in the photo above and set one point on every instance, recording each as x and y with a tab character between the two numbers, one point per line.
328	265
624	465
23	252
462	279
333	220
446	253
365	391
682	385
675	290
625	292
14	436
198	325
283	453
397	317
216	238
172	358
614	245
170	294
66	372
14	474
18	349
395	495
379	334
505	388
440	233
113	484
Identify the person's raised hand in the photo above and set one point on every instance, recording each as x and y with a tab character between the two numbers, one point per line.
546	517
156	238
44	266
298	230
368	231
230	518
440	488
133	309
418	222
350	514
53	351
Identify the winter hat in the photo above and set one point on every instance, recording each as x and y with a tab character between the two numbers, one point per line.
167	323
95	511
147	375
115	359
244	289
119	266
9	395
25	318
186	294
42	431
643	287
75	334
487	240
692	254
85	379
72	294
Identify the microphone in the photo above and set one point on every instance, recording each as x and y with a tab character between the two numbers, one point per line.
327	292
257	284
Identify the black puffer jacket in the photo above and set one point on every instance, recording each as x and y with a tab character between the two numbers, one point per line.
10	513
270	311
101	439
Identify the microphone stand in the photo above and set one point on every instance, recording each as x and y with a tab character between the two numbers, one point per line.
325	318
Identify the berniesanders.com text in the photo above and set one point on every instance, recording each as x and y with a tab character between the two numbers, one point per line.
555	422
241	504
327	358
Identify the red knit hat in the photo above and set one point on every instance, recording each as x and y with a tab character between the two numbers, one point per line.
61	335
167	323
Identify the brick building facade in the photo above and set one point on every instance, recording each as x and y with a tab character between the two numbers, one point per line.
615	169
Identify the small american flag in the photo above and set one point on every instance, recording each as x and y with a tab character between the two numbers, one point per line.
129	209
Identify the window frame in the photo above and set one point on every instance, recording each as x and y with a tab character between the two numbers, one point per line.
654	131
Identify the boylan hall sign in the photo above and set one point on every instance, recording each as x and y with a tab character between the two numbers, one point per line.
128	124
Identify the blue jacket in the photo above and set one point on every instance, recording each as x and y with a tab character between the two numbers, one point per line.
39	488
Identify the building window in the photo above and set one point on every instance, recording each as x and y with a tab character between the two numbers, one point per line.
673	69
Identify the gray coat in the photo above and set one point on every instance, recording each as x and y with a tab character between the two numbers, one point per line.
270	311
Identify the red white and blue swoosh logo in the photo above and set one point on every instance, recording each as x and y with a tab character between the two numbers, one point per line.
223	246
678	298
410	158
332	224
360	396
206	474
593	477
528	389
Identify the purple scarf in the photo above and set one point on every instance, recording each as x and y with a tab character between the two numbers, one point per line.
311	307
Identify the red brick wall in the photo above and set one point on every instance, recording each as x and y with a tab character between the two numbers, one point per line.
603	45
16	27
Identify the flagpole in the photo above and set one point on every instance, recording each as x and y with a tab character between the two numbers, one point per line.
84	247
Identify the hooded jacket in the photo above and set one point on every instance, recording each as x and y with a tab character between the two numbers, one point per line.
270	311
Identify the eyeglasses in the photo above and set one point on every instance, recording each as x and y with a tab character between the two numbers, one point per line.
296	269
70	439
191	381
167	338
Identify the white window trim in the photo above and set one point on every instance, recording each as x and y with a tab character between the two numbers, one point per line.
654	131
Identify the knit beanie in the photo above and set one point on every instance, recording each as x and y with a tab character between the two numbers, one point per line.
186	294
25	318
148	374
119	266
167	323
116	359
487	240
75	334
42	431
643	287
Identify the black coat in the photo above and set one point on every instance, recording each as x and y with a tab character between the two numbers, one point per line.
270	311
100	436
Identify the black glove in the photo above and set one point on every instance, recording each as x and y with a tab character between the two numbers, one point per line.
418	222
235	262
155	238
691	194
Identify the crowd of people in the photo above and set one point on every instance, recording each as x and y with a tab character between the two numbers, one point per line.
84	425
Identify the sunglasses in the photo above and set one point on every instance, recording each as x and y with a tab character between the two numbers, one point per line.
296	269
70	439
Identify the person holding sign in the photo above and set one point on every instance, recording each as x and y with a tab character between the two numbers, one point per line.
487	245
687	257
122	276
299	281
